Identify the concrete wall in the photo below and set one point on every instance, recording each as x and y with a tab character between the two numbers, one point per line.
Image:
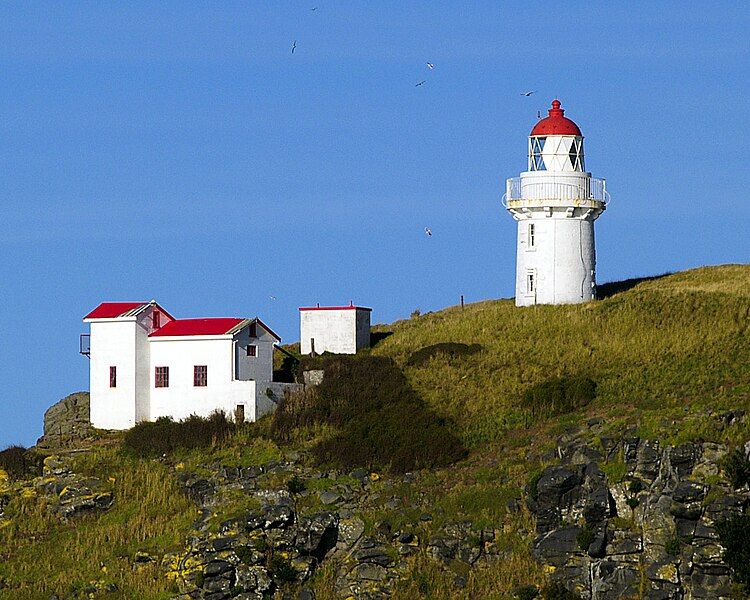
340	331
182	398
363	329
270	393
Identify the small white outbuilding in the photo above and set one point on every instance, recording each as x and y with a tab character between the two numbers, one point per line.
335	329
145	364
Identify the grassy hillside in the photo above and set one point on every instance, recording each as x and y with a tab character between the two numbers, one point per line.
667	356
662	354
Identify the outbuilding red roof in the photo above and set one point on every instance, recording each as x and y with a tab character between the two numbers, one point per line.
112	310
219	326
556	123
319	307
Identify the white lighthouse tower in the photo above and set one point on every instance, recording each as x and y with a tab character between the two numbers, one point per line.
555	203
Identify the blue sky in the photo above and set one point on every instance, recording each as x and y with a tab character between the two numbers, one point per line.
179	151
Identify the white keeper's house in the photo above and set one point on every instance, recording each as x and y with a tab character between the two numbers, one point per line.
145	364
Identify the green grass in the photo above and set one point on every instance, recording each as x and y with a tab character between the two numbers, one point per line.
660	354
667	357
40	555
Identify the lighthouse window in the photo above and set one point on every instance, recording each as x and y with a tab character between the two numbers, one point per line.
531	234
530	282
537	160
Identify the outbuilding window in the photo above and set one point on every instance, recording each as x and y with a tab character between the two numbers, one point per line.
113	377
200	375
161	377
252	350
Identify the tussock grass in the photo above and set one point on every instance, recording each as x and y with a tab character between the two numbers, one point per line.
42	556
661	353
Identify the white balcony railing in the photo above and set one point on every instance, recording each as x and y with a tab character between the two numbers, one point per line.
587	191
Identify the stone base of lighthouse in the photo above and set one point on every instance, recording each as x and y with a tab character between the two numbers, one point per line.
556	259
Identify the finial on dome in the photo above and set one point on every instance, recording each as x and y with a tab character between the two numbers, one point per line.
555	104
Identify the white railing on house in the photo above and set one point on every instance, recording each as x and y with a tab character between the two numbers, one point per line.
588	190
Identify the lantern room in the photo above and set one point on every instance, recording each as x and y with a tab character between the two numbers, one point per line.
556	143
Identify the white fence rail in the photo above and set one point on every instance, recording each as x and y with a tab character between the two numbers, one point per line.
590	189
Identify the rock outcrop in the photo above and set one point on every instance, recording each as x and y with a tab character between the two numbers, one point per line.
67	422
650	533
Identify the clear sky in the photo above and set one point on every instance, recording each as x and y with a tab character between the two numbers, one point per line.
180	151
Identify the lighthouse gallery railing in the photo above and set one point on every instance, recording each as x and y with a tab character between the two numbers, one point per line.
590	189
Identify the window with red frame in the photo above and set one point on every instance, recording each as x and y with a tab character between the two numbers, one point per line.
252	350
161	377
200	375
113	377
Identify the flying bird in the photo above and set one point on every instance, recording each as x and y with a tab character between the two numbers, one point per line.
428	231
272	297
527	94
421	83
294	46
313	8
430	66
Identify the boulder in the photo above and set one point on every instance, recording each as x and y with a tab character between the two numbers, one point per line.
67	422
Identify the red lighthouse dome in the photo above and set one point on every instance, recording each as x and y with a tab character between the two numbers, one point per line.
556	123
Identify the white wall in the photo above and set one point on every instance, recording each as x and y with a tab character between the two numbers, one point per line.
182	398
259	367
334	331
563	260
113	343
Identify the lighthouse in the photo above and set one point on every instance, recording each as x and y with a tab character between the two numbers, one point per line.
555	202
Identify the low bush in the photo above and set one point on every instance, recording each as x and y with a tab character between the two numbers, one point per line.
672	546
585	537
164	436
18	462
737	468
734	534
559	395
295	485
558	591
379	421
446	349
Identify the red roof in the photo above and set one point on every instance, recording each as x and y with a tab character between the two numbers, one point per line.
219	326
556	123
112	310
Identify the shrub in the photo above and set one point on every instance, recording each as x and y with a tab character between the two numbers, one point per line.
282	570
415	313
672	547
734	534
531	488
557	591
635	486
585	537
632	502
164	436
525	592
447	349
295	485
378	419
559	395
737	468
18	462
